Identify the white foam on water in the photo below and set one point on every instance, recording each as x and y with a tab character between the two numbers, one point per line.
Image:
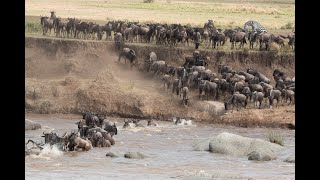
185	122
48	152
210	175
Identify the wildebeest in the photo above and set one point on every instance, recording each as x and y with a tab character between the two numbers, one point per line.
152	57
113	130
35	149
129	54
84	144
53	138
151	123
176	86
288	94
103	143
274	94
277	74
236	99
222	68
185	92
211	89
257	96
128	124
166	81
82	128
158	67
118	40
238	37
47	24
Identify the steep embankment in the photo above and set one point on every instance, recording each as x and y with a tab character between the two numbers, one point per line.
70	76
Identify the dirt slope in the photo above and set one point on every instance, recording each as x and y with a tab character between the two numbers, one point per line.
70	76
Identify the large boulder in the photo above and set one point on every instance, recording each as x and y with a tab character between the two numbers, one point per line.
134	155
214	108
261	156
111	154
202	145
290	159
31	125
232	144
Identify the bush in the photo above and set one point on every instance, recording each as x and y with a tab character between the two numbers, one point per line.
275	137
289	25
44	107
148	1
32	27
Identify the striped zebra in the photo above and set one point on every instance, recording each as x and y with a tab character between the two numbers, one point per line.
255	27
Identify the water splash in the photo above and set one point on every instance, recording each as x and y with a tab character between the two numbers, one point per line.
209	175
48	152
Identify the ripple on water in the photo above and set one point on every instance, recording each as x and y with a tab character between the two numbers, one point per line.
169	151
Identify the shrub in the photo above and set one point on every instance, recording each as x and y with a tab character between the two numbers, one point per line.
289	25
44	107
148	1
32	27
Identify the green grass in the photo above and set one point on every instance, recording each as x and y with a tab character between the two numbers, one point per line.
32	27
271	14
277	16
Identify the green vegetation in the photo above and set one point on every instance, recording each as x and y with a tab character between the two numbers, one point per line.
148	1
272	14
277	16
31	27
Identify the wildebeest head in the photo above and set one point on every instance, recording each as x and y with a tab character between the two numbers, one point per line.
53	14
48	137
133	54
111	129
115	128
126	124
225	105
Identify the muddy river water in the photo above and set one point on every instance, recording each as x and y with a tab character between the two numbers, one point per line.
169	152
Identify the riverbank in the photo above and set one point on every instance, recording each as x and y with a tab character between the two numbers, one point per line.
70	76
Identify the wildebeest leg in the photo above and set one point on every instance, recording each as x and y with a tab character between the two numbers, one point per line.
270	102
289	101
232	106
119	57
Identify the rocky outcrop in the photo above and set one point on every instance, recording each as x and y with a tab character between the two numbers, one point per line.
202	145
31	125
111	154
134	155
261	156
232	144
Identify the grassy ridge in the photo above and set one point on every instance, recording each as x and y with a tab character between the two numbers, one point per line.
271	14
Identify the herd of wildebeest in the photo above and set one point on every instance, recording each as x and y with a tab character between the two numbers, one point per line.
162	34
237	87
94	130
194	74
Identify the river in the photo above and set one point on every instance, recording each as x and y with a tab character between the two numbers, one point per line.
168	148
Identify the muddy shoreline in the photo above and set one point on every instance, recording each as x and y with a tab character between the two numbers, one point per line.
59	79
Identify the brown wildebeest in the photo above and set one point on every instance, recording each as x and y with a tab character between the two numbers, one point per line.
128	54
238	37
185	97
236	99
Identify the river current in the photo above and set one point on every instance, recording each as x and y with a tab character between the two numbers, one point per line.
168	150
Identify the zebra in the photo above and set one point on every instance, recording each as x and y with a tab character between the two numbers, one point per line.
255	27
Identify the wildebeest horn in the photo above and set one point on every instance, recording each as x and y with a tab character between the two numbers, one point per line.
65	134
51	131
43	133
